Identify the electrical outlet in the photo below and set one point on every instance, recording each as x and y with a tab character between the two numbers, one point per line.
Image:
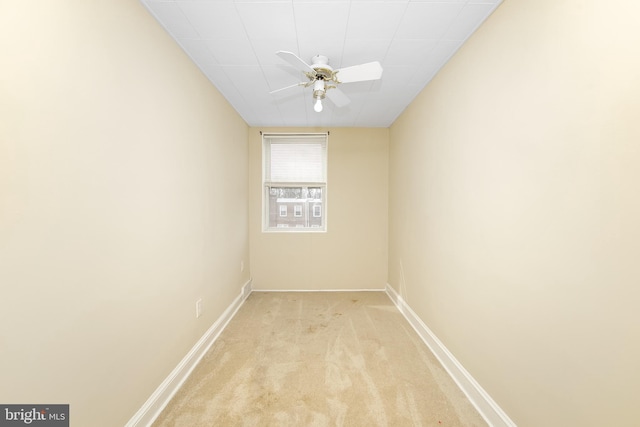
199	308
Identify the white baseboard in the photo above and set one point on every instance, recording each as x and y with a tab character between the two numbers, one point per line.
478	397
147	414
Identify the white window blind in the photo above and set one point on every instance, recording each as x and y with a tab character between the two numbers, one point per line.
290	160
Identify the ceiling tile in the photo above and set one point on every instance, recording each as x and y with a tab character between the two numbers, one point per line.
385	1
226	87
468	20
441	1
256	1
214	20
427	20
232	52
265	49
443	51
172	18
333	2
249	79
394	77
268	20
216	74
423	76
293	110
362	51
408	52
322	20
198	51
387	17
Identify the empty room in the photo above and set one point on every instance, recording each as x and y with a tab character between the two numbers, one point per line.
322	213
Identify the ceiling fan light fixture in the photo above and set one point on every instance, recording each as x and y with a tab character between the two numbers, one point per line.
319	93
319	89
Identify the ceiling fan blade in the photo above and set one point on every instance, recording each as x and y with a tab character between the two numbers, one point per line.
293	59
360	73
288	87
337	97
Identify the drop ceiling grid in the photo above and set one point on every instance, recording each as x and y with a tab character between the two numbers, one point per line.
234	44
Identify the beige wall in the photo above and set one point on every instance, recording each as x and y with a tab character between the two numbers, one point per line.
515	206
123	199
352	254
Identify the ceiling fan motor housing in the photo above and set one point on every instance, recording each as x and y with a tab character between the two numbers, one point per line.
320	64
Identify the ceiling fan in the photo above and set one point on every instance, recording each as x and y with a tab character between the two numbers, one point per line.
325	80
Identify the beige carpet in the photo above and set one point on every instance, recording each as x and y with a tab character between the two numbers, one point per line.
319	359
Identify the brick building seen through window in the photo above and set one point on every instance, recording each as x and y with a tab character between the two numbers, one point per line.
295	207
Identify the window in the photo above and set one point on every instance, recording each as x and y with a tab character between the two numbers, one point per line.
294	175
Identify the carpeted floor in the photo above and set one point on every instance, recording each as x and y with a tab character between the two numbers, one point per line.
319	359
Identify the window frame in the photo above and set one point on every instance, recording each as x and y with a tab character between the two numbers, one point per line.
268	184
